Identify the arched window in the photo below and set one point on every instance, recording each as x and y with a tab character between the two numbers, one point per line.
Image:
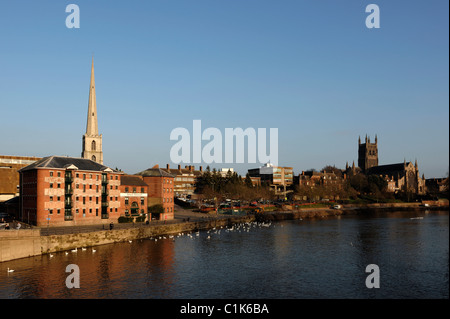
94	158
93	146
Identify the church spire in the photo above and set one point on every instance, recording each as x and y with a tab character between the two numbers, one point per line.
92	123
92	141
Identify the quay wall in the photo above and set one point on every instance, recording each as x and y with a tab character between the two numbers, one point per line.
15	244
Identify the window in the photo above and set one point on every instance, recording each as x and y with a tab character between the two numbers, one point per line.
58	199
126	189
84	188
93	146
90	176
77	175
117	177
51	185
59	174
142	189
77	185
97	188
76	211
59	185
51	198
96	212
90	210
58	211
90	186
84	200
90	198
51	173
84	177
84	212
50	211
96	200
142	200
126	200
134	189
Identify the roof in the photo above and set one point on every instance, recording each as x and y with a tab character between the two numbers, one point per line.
132	180
387	169
63	162
154	172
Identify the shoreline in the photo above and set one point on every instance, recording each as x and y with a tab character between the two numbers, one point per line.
16	244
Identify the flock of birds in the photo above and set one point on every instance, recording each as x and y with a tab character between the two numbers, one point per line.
241	227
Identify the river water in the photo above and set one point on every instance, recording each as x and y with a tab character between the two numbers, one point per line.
324	258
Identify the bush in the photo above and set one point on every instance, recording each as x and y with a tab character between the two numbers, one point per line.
124	219
140	218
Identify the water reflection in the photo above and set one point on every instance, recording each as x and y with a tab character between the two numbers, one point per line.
290	259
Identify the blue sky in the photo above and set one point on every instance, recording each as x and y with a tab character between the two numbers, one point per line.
309	68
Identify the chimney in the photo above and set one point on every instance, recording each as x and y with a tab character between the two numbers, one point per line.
168	166
191	168
201	168
179	167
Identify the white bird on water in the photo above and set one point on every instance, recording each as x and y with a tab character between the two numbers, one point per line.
82	248
51	255
93	250
74	250
67	252
10	270
130	241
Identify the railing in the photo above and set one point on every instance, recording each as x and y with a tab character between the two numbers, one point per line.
105	216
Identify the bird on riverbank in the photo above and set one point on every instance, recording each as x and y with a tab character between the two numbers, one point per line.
130	241
83	249
74	250
10	270
51	255
67	252
93	250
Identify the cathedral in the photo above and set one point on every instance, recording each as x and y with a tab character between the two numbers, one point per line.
92	141
400	176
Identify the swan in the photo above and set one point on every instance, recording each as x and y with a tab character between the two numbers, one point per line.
93	250
74	250
10	270
130	241
67	252
51	255
82	248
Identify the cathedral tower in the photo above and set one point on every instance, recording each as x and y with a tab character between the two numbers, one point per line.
367	154
92	142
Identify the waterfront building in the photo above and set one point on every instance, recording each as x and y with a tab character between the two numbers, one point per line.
92	141
160	191
133	195
185	179
67	191
277	177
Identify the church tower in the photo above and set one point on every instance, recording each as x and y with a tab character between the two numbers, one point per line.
92	142
367	154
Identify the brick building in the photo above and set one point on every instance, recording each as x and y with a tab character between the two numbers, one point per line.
66	191
133	195
160	191
185	179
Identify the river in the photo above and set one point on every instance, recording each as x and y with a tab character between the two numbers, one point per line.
301	259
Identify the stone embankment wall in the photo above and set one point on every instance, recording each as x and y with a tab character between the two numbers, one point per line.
16	244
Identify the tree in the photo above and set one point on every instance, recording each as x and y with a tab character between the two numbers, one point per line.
248	181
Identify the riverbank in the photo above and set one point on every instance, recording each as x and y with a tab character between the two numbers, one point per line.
15	244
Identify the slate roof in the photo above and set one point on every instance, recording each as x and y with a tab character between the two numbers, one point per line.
388	169
132	180
157	172
64	162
